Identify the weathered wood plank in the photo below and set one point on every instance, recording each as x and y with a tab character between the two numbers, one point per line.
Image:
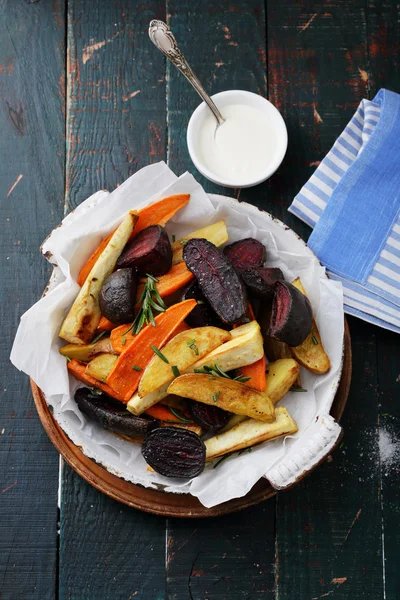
32	146
317	58
230	557
116	124
383	46
107	550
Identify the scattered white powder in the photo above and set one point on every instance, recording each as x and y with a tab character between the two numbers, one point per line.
389	448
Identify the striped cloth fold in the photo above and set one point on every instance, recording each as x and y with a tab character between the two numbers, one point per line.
352	202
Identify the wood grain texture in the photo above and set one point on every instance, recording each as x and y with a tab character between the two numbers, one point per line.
383	45
115	125
116	118
32	145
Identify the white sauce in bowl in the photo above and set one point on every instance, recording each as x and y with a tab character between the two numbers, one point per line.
241	148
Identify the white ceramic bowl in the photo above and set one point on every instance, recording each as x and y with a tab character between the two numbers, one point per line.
238	97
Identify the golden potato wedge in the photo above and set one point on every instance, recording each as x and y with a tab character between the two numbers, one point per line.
234	420
84	316
182	351
240	351
78	351
250	432
216	233
228	394
281	375
311	353
138	405
100	367
275	350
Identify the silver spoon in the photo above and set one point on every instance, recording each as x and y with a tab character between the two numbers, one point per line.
162	37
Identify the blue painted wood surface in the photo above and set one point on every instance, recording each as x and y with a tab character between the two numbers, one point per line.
86	100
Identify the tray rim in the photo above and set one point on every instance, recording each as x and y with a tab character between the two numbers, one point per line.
166	503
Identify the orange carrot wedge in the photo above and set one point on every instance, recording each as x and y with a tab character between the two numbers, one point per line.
162	413
176	278
158	213
77	369
105	325
117	336
256	372
138	351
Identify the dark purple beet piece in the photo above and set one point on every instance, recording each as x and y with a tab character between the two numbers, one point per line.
174	452
217	279
118	296
210	418
109	413
149	252
246	253
260	281
202	314
291	315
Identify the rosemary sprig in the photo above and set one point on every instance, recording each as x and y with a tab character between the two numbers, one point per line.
297	389
314	340
216	371
149	301
175	370
224	457
136	368
179	415
98	337
160	354
192	346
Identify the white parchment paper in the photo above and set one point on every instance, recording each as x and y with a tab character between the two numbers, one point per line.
36	346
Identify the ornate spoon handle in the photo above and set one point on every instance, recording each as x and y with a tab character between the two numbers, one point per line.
162	37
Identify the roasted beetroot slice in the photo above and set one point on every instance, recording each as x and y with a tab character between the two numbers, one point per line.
246	253
108	413
210	418
260	281
149	252
202	314
291	315
217	279
174	452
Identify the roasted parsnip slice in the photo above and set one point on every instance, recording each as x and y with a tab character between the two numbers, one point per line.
177	355
250	432
84	316
311	353
138	405
281	375
228	394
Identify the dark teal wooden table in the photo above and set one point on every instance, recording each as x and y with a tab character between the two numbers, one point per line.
85	101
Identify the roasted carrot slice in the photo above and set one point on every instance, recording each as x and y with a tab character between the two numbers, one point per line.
77	369
158	213
119	340
105	325
176	278
256	372
125	376
163	413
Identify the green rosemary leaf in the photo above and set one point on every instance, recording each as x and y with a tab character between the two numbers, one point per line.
243	450
179	415
183	242
68	359
224	457
241	379
175	370
216	396
98	337
297	389
314	339
123	341
160	354
136	368
173	238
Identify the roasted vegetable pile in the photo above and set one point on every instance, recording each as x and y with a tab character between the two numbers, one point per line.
164	336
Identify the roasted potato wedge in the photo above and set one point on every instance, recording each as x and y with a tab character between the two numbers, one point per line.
240	351
100	367
281	375
216	233
275	350
228	394
250	432
181	352
86	352
311	353
80	324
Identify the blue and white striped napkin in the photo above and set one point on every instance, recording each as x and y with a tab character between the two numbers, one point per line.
352	202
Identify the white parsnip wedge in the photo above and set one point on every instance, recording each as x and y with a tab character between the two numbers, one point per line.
80	324
216	233
311	353
281	375
100	367
250	432
138	405
227	394
244	349
182	351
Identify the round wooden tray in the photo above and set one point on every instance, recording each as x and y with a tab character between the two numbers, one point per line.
162	503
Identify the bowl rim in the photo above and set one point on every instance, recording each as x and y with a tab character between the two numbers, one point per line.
272	167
